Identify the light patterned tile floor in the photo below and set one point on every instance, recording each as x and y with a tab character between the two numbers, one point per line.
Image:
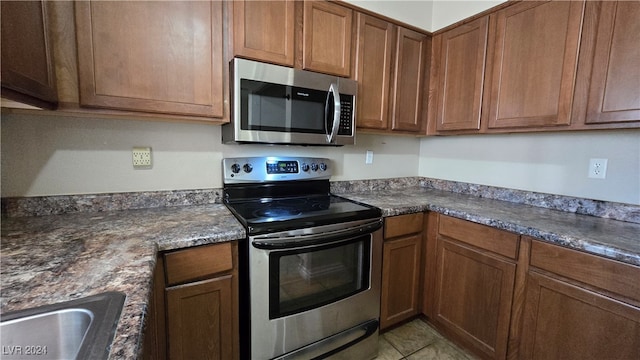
417	340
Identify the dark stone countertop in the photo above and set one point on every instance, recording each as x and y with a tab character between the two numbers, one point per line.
611	238
50	259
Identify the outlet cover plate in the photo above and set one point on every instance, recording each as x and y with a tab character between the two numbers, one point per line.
597	168
141	157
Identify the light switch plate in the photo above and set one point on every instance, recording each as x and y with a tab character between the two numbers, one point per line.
368	159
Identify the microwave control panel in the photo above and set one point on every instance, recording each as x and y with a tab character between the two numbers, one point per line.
346	115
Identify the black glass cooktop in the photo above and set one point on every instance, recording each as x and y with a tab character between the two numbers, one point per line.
280	214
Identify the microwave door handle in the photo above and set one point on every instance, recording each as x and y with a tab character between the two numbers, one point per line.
333	89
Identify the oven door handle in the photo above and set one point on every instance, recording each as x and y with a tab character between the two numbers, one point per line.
314	240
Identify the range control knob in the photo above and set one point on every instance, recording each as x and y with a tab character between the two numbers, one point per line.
323	166
247	168
235	168
305	167
314	166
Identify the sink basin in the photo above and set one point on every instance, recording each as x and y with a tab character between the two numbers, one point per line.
77	329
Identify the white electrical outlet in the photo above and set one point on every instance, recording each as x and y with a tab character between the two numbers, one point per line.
597	168
368	159
141	157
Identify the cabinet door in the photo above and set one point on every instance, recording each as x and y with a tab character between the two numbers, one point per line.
27	66
163	57
563	321
373	71
534	64
400	279
199	320
614	92
264	30
155	346
462	59
473	297
327	38
409	80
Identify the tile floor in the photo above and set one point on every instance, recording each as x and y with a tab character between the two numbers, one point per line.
416	340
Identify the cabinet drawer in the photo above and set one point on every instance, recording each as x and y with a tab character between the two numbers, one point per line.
197	263
498	241
609	275
402	225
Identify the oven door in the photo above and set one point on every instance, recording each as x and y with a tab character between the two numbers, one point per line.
317	286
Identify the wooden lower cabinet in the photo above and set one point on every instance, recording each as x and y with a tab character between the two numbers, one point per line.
155	340
579	306
565	321
199	323
474	286
193	312
401	269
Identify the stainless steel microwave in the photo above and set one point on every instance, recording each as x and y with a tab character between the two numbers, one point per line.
280	105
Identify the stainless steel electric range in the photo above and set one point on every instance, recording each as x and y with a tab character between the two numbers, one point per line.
310	266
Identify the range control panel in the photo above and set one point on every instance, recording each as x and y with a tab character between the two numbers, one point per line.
274	168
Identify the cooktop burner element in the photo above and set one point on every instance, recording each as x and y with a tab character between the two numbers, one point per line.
276	212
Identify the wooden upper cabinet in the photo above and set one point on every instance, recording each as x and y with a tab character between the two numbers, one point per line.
411	62
461	69
264	30
161	57
327	38
534	64
27	66
614	91
374	46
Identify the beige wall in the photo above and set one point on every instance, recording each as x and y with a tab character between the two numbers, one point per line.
555	163
56	155
447	12
428	15
416	13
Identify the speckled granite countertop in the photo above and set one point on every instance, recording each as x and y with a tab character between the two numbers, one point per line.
614	239
51	259
55	258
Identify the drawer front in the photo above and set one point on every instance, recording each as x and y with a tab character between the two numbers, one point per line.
197	263
402	225
609	275
497	241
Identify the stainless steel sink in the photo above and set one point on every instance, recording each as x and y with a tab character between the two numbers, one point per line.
77	329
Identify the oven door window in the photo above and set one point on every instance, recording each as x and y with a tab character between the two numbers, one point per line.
309	278
282	108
